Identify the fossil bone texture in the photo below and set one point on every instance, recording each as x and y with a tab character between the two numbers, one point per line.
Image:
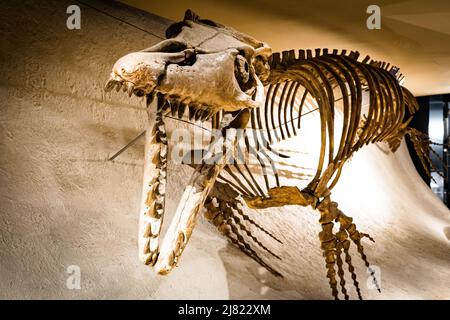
211	73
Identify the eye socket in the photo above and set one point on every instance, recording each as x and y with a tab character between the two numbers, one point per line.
243	74
241	69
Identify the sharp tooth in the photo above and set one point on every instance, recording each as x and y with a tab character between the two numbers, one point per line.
181	110
174	107
110	85
162	102
205	115
191	112
210	115
198	114
130	89
167	107
118	86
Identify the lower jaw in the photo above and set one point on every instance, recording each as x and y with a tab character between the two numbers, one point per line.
185	218
197	190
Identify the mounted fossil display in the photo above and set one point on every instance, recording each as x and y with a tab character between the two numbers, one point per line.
211	73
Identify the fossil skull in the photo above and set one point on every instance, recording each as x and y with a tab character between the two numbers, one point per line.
209	68
202	64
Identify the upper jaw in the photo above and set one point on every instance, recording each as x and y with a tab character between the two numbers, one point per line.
208	80
139	72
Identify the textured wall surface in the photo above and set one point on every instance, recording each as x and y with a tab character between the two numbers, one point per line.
62	203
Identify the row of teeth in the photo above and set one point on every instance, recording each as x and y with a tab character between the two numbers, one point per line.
175	108
126	87
170	106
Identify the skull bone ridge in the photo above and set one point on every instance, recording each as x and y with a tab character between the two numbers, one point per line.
202	63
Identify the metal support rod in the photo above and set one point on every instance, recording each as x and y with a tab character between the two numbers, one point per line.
129	144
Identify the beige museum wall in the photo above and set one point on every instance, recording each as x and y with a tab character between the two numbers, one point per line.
62	203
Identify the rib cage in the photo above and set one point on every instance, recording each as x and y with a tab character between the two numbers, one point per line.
299	85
